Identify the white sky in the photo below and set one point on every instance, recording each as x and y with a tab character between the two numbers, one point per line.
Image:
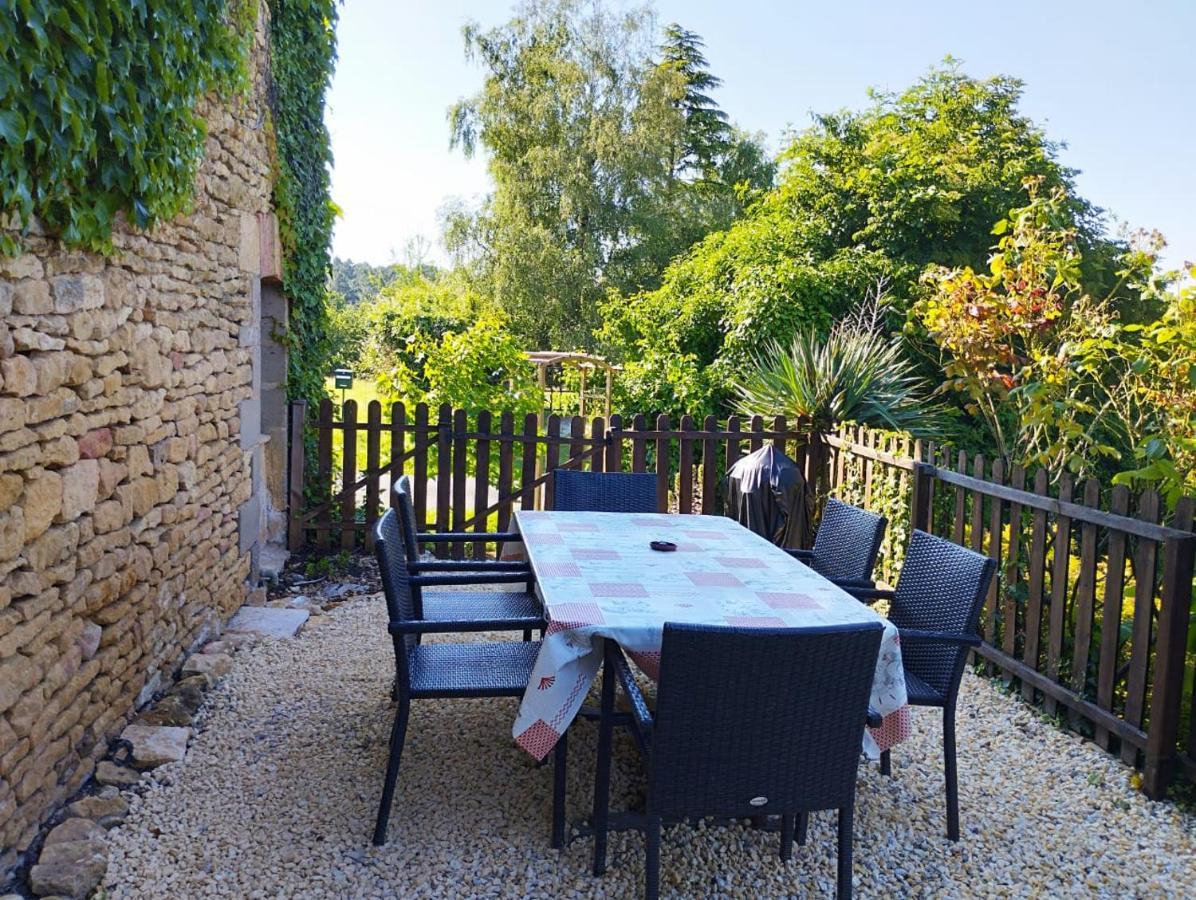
1115	80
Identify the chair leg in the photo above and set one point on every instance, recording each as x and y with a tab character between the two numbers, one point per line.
787	836
949	770
886	762
803	827
602	776
560	754
846	815
398	734
652	859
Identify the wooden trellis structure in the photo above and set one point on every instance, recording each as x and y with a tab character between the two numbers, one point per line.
587	364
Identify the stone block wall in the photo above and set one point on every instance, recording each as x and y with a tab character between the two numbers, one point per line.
123	470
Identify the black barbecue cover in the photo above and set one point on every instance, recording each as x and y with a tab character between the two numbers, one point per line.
765	491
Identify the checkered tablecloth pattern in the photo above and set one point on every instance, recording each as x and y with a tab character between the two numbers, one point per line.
599	579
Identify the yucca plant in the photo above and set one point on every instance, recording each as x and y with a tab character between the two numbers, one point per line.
853	374
848	376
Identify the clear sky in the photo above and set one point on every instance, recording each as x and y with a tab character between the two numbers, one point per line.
1115	80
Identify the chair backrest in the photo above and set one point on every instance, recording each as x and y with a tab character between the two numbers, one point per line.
409	532
396	585
406	508
847	542
758	721
633	492
941	588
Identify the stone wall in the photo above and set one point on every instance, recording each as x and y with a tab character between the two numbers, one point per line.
125	469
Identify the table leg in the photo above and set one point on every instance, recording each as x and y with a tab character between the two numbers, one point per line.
602	776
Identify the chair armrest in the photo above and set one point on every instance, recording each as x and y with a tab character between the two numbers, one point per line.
640	714
462	578
874	719
799	554
470	565
464	537
939	637
867	595
849	584
443	626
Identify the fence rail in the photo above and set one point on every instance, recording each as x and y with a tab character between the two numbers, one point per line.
1089	615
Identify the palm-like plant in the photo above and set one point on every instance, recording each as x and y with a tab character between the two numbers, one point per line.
851	375
854	374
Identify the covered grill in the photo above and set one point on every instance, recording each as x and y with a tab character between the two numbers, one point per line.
766	492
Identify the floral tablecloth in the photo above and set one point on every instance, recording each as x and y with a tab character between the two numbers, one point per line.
599	579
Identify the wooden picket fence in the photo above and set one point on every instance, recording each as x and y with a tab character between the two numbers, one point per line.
1089	615
1090	611
484	467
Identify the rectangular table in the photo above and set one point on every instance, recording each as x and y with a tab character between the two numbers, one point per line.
599	579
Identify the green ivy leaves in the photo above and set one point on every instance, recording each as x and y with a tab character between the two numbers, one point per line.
98	108
302	56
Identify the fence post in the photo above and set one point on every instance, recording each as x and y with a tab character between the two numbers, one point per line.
349	475
663	464
295	477
324	474
919	517
1170	647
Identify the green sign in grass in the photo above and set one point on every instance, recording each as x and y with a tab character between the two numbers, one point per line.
342	378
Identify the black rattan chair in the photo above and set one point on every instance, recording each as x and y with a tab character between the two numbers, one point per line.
460	605
936	607
726	741
846	545
441	671
633	492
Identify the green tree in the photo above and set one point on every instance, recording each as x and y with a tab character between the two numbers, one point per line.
715	169
706	134
357	281
473	366
916	178
583	132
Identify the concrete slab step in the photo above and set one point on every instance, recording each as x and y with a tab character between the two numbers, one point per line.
268	621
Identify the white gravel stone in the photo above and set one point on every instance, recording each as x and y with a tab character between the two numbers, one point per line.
278	793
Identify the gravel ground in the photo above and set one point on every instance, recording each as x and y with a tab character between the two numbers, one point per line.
277	797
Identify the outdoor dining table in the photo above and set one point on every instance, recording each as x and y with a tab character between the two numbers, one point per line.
599	579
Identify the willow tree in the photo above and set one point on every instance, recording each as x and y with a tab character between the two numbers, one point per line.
583	125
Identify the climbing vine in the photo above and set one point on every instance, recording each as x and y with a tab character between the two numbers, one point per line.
302	55
98	108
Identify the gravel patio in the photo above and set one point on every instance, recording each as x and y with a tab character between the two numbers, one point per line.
277	795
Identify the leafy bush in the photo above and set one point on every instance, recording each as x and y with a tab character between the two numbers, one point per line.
1058	379
479	366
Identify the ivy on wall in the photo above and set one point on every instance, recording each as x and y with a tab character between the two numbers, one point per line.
99	117
302	55
98	108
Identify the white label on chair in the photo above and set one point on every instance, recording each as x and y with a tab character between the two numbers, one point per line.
758	801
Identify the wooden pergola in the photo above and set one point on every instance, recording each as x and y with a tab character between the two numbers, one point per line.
586	363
